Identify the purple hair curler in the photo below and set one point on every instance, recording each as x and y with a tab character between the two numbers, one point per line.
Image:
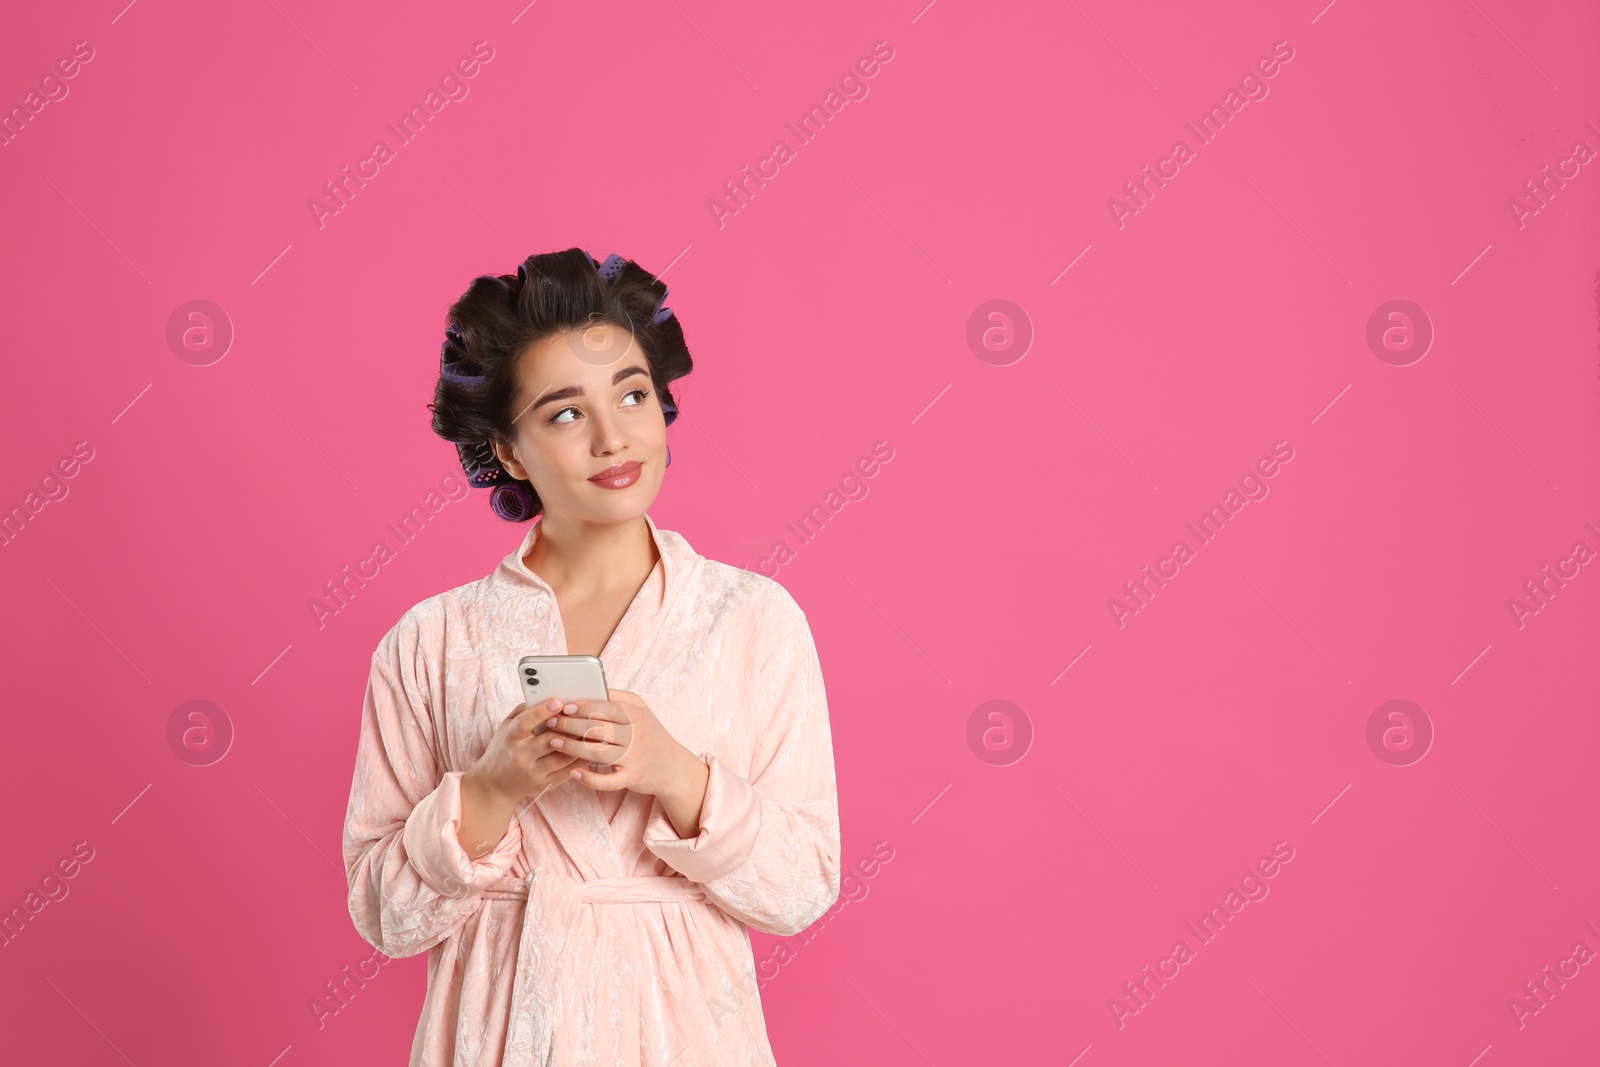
452	372
663	313
611	267
670	410
512	501
484	477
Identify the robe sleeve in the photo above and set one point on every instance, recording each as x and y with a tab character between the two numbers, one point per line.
411	883
767	850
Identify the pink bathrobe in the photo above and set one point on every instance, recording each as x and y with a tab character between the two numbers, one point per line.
592	934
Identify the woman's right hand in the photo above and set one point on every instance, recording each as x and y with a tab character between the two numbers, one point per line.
519	761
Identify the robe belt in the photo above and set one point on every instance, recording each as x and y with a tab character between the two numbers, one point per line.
641	890
555	900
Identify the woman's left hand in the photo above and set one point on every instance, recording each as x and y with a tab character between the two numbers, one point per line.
623	737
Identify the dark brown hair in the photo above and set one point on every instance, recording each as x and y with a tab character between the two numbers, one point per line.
501	316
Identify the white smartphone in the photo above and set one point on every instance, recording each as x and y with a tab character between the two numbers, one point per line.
569	678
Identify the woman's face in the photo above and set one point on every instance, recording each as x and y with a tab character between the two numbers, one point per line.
584	403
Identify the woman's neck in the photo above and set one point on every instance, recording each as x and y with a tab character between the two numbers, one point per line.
591	559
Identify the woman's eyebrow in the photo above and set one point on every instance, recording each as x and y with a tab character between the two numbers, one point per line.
577	390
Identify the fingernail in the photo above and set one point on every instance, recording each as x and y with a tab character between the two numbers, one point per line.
577	774
551	723
555	742
569	708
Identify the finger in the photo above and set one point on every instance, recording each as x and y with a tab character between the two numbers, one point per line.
617	737
604	710
595	731
527	719
589	751
538	744
604	782
552	762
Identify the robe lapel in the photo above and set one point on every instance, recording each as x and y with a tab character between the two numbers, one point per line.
632	658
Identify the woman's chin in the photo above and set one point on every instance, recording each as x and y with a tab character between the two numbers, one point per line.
628	502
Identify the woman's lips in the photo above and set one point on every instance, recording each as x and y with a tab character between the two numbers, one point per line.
618	477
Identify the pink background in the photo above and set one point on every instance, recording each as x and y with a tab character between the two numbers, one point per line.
828	314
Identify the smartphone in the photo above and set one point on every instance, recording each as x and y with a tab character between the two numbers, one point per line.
569	678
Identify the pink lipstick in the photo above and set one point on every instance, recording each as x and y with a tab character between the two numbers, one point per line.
619	477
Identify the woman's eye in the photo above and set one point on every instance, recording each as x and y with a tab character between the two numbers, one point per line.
643	396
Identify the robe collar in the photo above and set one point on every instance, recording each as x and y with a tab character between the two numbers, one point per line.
674	550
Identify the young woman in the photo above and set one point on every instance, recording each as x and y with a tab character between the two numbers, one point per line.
575	915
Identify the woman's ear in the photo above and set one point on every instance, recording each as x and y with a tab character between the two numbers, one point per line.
508	459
